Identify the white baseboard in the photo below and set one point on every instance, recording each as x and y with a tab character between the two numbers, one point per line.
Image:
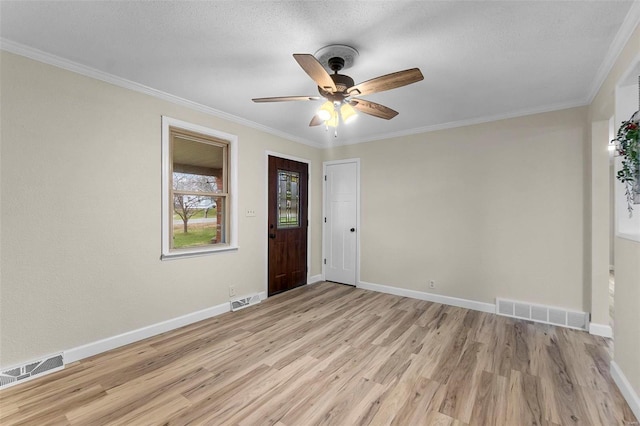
626	389
314	279
601	330
438	298
113	342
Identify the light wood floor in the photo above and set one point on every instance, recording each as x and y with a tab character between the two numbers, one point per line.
332	354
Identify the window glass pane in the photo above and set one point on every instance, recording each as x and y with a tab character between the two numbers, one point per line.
288	199
197	166
197	220
194	183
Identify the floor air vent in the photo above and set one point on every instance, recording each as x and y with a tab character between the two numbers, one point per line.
243	302
543	314
31	369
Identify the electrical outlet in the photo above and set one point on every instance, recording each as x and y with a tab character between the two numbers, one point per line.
432	284
232	291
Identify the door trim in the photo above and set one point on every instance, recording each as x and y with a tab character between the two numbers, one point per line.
265	221
324	212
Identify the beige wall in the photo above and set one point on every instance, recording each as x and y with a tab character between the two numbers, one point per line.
81	213
627	253
490	210
627	306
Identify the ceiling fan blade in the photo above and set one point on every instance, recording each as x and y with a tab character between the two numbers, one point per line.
315	121
373	108
386	82
316	71
287	98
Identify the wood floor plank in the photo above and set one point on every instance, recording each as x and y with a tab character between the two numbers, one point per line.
418	402
525	400
126	398
569	399
39	413
330	354
275	403
435	418
225	401
343	401
490	403
451	353
403	386
363	412
350	368
462	385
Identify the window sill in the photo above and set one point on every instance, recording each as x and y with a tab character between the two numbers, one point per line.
180	254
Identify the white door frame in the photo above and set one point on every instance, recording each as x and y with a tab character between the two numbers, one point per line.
324	212
265	222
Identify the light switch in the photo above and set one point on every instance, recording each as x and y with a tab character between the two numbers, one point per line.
251	213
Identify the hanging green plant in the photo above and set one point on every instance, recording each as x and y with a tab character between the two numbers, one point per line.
627	144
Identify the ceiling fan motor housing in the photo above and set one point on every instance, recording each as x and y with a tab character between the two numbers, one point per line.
342	82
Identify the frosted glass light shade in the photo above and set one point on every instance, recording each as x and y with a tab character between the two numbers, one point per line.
348	113
326	111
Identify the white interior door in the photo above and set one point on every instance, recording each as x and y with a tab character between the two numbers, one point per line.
341	221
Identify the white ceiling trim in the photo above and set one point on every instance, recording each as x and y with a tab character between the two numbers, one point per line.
469	122
631	21
56	61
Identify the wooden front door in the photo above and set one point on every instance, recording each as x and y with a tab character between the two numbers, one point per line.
288	183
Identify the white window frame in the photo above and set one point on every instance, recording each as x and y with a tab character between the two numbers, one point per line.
167	205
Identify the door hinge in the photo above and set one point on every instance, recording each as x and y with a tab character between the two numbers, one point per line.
325	220
325	261
325	178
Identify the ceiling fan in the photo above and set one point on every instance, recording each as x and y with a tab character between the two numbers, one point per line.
339	90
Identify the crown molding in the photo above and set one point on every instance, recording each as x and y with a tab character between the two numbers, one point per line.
468	122
631	21
59	62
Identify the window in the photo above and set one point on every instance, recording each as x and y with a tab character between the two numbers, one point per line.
198	189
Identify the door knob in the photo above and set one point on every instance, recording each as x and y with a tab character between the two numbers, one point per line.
272	235
353	229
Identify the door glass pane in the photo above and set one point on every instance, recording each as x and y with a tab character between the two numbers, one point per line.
288	199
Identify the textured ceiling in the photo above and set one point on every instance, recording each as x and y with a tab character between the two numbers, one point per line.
481	60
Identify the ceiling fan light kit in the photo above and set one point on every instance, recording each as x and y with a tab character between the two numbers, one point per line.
326	111
339	90
348	113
